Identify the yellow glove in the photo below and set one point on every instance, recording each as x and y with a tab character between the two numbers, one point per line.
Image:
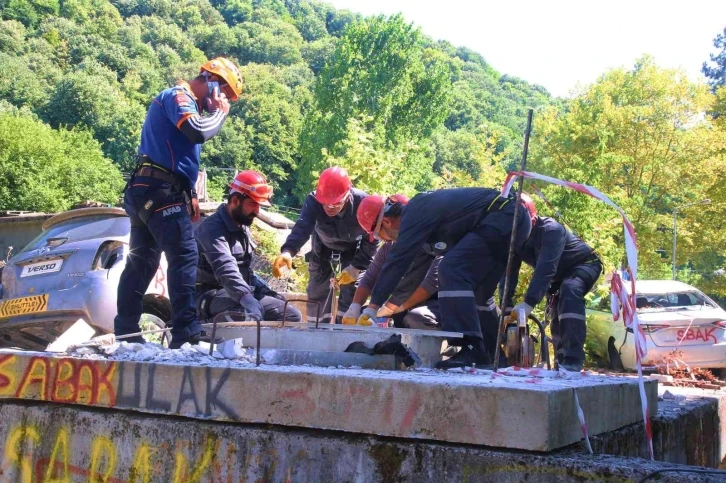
284	259
348	276
368	317
352	314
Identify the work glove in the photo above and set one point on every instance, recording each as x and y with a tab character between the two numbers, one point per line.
524	307
253	311
387	310
348	276
352	314
368	317
283	259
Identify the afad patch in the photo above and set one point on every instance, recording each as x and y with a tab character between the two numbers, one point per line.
182	100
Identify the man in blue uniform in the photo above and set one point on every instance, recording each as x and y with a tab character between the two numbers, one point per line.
329	216
225	279
471	228
567	268
161	201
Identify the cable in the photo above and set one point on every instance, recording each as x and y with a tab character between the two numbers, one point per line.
683	470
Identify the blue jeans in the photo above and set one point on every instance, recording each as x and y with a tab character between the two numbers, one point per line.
160	223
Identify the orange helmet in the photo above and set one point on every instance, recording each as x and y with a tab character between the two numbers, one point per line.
228	72
253	185
333	186
528	203
371	210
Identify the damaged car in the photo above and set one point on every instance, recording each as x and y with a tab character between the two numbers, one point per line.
70	272
683	328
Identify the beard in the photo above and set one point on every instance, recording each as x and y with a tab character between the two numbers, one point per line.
239	217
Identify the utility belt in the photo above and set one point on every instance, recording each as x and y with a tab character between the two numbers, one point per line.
145	167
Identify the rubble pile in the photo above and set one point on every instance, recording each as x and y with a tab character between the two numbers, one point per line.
148	352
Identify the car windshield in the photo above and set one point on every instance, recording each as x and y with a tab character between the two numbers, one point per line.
691	300
83	228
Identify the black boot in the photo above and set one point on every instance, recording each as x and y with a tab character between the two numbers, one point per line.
473	353
571	364
202	336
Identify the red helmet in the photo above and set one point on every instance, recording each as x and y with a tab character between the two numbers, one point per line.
333	186
528	203
252	184
371	210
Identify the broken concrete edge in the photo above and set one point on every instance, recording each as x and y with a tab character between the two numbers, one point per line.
67	443
501	411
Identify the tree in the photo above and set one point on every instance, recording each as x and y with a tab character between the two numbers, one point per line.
716	74
640	136
49	170
379	71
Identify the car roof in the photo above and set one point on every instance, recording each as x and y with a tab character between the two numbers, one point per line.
662	286
81	212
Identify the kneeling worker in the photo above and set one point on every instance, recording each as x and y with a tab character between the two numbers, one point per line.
471	228
566	266
414	303
225	280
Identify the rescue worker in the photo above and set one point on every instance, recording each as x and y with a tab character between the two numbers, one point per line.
328	214
225	280
566	268
161	201
471	228
414	303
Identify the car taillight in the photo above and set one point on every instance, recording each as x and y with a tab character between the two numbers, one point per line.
650	328
721	324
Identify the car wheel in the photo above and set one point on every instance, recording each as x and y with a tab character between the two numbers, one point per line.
616	363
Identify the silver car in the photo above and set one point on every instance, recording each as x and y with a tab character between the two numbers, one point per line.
70	272
683	327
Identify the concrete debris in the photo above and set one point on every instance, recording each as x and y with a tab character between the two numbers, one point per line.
186	355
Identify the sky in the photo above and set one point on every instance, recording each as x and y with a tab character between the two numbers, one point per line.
560	44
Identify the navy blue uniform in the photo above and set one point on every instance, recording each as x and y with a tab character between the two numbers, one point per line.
339	234
471	227
562	262
225	274
156	200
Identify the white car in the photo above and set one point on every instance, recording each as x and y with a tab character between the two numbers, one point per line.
682	327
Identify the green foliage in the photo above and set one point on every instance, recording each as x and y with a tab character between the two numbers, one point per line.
640	137
49	170
95	65
381	73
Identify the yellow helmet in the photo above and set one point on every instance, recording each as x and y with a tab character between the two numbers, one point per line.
225	68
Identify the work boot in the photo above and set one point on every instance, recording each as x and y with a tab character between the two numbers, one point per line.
473	353
202	336
571	364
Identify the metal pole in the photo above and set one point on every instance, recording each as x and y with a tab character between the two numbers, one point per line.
674	243
512	240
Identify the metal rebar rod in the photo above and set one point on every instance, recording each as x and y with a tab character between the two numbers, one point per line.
512	240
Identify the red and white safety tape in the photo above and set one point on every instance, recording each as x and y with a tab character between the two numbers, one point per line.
621	301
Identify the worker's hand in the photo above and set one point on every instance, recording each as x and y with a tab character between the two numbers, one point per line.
217	101
524	307
368	317
352	314
284	259
253	310
387	310
348	275
195	214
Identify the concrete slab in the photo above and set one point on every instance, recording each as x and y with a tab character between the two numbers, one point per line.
46	442
426	343
287	357
476	408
